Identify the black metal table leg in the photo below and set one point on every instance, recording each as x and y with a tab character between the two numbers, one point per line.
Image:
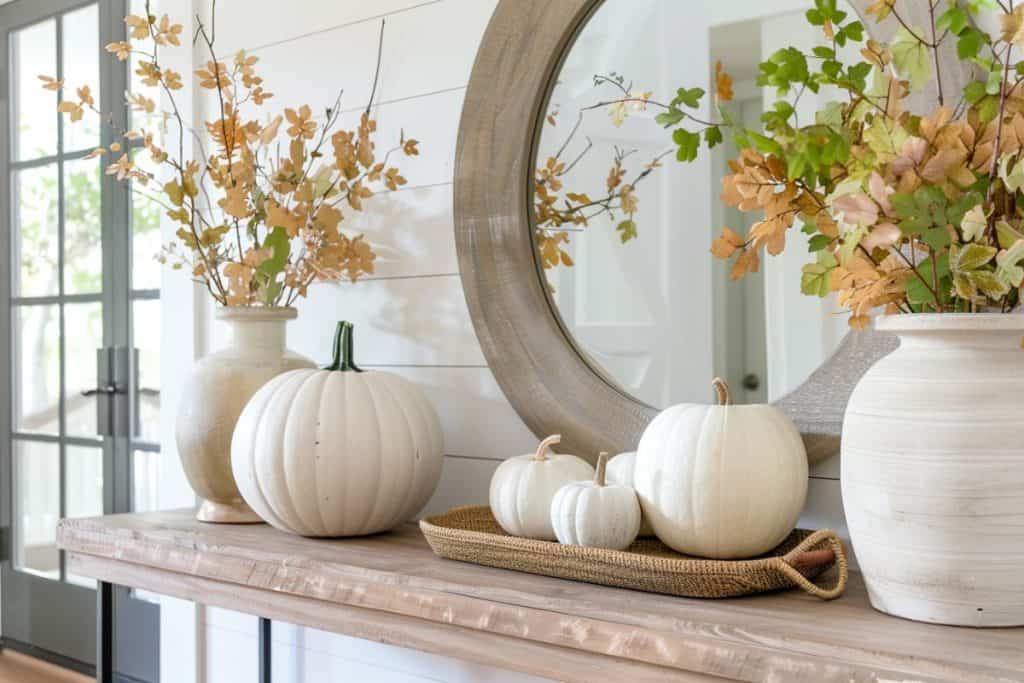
104	633
264	650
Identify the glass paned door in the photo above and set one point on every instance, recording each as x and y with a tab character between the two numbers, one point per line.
79	368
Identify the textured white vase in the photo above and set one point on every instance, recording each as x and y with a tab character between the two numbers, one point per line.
220	386
933	470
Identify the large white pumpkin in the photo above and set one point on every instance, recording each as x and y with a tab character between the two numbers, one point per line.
596	514
523	487
721	481
339	451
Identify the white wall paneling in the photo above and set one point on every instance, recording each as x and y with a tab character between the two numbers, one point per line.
410	316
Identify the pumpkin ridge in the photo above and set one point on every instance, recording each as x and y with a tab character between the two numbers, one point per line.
416	405
277	440
318	439
723	434
249	447
370	523
415	470
296	415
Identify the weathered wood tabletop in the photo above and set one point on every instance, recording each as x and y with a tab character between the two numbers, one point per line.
391	588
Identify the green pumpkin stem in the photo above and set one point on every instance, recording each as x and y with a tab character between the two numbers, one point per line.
343	341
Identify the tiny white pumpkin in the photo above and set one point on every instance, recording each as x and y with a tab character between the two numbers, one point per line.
620	471
596	514
522	489
339	451
721	481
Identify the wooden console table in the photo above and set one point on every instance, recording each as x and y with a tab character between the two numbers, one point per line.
392	589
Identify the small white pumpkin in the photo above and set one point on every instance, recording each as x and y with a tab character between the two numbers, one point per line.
620	471
722	481
596	514
339	451
522	489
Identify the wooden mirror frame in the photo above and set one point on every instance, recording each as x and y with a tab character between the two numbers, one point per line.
537	363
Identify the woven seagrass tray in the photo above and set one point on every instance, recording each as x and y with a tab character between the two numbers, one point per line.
471	534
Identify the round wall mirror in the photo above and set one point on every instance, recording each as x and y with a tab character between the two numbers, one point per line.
596	313
624	231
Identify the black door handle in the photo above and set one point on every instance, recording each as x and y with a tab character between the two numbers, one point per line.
105	390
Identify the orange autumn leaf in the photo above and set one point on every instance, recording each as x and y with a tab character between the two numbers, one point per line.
723	83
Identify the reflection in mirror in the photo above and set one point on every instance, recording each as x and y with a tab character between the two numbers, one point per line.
624	232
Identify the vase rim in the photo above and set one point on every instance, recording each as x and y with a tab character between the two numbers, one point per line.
256	313
951	322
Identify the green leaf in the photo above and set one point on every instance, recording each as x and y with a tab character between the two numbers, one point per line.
783	69
988	110
954	20
937	238
974	224
818	242
854	31
885	137
765	144
974	92
627	230
964	286
994	82
1011	175
969	45
815	276
1007	235
990	284
267	272
911	58
670	118
689	97
851	240
970	257
713	136
689	144
1008	262
918	292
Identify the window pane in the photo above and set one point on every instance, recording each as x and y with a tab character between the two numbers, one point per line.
81	57
35	232
37	369
145	229
146	322
84	490
84	326
145	481
34	54
36	507
83	253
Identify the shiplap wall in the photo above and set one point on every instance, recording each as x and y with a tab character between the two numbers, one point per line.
411	317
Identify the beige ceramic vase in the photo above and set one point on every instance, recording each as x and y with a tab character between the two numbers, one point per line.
220	386
933	470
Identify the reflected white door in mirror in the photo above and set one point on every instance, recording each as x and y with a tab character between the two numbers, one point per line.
624	233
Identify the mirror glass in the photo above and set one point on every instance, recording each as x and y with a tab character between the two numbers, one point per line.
633	279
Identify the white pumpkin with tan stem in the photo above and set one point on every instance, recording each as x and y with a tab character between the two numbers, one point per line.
523	487
338	451
724	481
620	471
596	514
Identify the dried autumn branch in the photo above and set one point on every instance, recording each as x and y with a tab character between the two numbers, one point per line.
270	223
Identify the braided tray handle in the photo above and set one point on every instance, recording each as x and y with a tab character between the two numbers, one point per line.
809	554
